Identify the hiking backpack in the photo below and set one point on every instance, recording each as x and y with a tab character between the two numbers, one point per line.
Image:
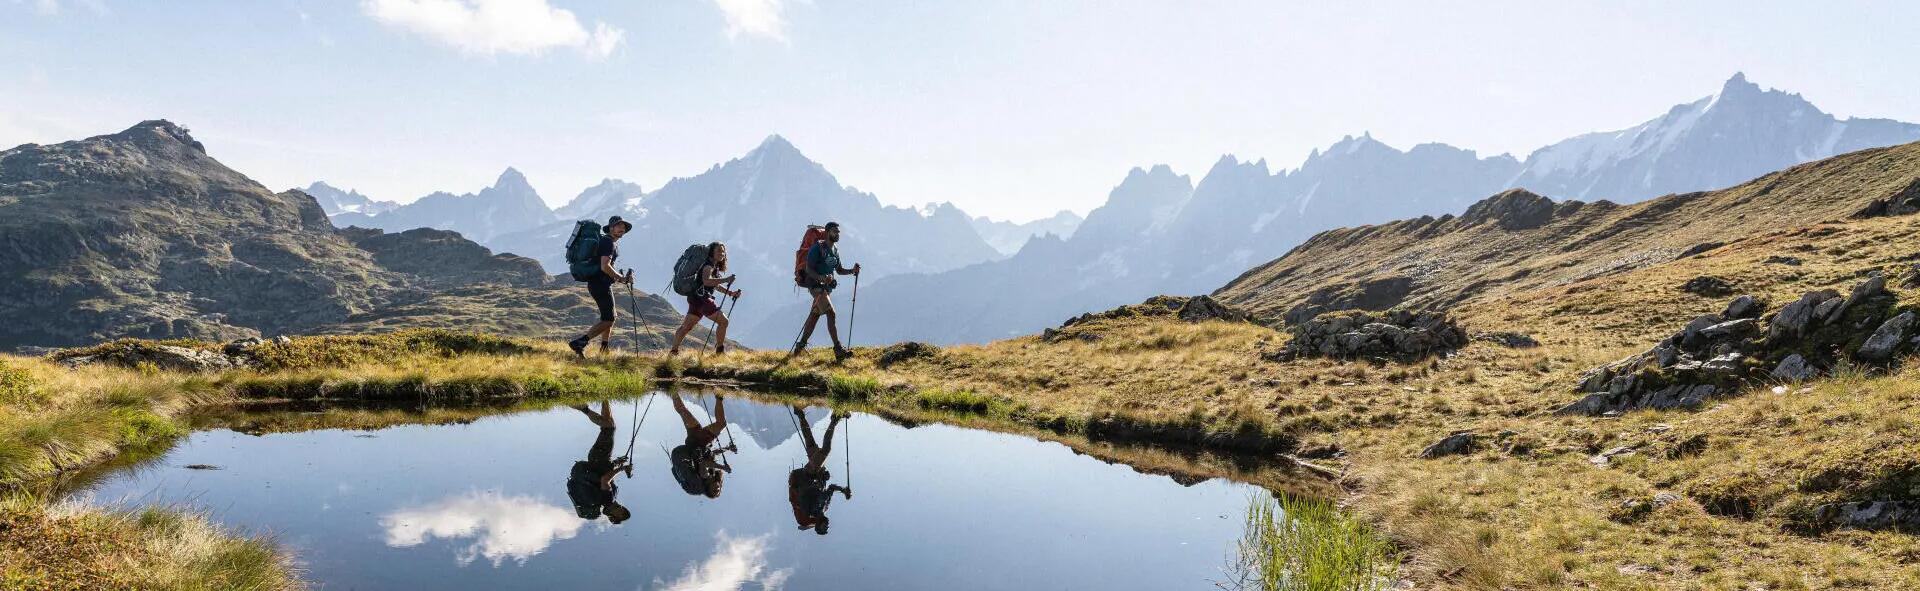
814	235
580	248
686	271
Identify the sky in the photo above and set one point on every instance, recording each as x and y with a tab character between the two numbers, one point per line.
1012	109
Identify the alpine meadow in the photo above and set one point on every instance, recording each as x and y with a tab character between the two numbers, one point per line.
1251	296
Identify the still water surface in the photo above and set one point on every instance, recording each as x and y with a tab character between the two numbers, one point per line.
499	503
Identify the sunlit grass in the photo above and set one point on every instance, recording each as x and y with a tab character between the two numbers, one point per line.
1292	544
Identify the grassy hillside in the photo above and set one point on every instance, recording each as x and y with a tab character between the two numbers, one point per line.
1720	498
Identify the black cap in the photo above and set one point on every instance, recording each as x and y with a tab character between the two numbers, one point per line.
832	225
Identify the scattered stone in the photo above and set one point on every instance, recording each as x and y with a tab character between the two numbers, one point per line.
1459	443
1397	334
1783	260
1691	446
901	352
1903	515
1606	457
1887	338
1707	285
1794	368
1913	277
1659	428
1510	340
1745	306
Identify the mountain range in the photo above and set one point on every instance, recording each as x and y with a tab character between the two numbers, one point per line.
1158	234
143	234
1007	237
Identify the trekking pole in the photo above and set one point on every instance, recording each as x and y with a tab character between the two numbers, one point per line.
846	440
853	312
633	313
710	334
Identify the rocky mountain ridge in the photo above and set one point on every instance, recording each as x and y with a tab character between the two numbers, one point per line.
143	234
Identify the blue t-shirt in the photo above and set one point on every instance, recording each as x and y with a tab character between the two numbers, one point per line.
823	258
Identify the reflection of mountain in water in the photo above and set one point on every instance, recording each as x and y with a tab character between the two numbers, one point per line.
768	425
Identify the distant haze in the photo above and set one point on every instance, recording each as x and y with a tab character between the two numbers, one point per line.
1010	109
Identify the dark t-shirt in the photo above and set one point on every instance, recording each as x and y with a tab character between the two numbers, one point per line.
604	248
583	488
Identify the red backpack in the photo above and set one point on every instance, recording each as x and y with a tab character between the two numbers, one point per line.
815	234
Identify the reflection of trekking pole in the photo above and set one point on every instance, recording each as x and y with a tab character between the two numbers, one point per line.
854	310
846	440
637	422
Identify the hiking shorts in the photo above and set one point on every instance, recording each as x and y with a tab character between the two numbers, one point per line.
602	291
701	306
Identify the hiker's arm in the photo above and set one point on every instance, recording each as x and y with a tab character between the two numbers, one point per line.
854	271
606	266
844	491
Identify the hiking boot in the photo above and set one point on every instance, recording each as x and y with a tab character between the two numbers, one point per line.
798	348
720	350
841	354
579	347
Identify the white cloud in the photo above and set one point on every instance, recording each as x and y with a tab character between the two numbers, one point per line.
516	527
763	18
488	27
734	563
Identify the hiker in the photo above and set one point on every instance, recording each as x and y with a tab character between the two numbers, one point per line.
697	464
700	303
596	268
807	488
822	263
590	483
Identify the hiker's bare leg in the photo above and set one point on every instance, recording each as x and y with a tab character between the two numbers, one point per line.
719	416
686	326
827	448
806	434
833	331
720	328
599	329
686	416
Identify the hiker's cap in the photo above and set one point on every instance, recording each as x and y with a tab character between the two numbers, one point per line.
832	225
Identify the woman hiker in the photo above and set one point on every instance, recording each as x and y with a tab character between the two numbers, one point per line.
601	286
696	463
823	261
701	305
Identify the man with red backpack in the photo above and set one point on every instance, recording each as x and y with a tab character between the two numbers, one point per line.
815	271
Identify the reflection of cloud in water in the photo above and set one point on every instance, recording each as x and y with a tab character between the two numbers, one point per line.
515	527
734	563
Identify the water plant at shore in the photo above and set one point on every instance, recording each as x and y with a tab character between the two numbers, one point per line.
1296	544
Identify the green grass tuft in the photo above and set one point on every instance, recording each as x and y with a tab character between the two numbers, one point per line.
1306	545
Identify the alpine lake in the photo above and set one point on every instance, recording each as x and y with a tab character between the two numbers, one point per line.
784	497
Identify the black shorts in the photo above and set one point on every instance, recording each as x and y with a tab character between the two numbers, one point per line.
602	291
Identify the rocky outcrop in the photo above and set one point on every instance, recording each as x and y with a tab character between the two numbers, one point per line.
1399	334
1719	354
1186	309
1901	515
907	351
1903	202
138	355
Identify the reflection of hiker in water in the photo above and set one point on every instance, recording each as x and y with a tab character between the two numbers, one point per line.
807	488
697	464
590	483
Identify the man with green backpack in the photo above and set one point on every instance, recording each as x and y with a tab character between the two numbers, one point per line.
590	256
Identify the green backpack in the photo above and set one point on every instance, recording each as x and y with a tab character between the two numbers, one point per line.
580	248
